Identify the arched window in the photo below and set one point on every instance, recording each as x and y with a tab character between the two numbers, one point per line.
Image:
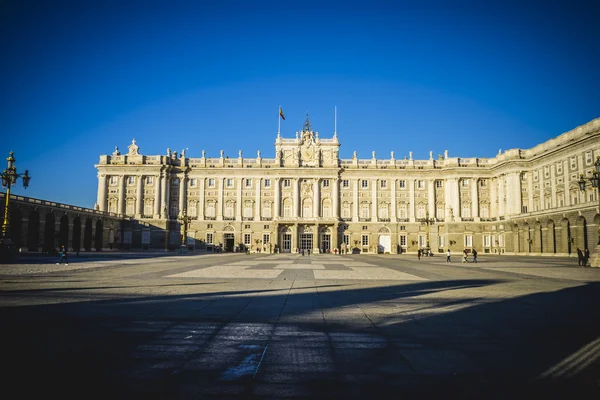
211	209
248	209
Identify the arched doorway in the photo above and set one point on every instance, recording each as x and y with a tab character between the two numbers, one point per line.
16	227
550	237
98	233
228	238
33	231
285	239
49	235
76	241
87	238
325	240
385	241
63	233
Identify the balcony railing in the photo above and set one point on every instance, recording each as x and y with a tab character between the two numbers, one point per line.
384	220
364	220
228	218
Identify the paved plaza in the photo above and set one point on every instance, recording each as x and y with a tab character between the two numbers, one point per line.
238	326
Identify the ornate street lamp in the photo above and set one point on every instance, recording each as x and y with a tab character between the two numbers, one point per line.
595	181
9	178
427	221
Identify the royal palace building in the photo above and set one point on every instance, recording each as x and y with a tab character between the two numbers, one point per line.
306	197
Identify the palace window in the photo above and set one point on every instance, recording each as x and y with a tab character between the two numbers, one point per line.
229	182
267	183
325	182
384	211
403	240
266	238
326	210
149	180
131	180
364	210
441	242
438	184
365	227
248	182
130	209
402	184
421	184
113	180
384	184
211	182
193	182
345	210
468	241
465	183
248	209
229	209
209	226
148	207
487	241
365	240
210	209
483	183
287	183
345	183
266	211
287	210
364	184
421	211
247	239
209	238
466	212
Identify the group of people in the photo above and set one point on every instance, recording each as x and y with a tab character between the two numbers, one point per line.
426	253
583	257
465	255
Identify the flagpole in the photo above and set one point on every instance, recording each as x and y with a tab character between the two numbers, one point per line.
279	122
334	121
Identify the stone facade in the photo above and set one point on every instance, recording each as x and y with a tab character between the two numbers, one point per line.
519	202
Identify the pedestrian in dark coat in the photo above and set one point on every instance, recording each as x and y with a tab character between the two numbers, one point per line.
586	256
580	257
474	255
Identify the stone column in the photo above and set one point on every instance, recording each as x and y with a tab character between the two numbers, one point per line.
394	202
355	203
553	186
277	198
139	203
157	192
501	180
529	192
431	198
122	194
474	199
167	192
493	198
296	212
567	184
257	198
411	206
374	200
541	182
513	194
336	198
238	202
182	194
316	198
102	200
220	204
452	199
201	204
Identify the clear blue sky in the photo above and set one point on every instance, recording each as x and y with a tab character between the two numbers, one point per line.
81	77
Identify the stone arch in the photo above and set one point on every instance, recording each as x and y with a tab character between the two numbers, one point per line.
581	234
537	238
88	233
33	231
16	227
76	240
49	234
565	239
384	231
63	232
550	244
229	228
98	241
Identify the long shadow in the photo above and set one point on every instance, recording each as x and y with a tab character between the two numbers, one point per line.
523	347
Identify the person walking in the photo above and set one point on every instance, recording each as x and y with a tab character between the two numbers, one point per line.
580	257
465	255
419	254
586	256
475	256
448	256
63	255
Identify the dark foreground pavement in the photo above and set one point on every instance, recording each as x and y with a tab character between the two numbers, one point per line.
503	328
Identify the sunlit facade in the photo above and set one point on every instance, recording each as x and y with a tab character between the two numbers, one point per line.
306	197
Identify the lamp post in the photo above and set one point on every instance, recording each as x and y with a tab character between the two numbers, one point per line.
9	178
185	220
595	181
427	221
